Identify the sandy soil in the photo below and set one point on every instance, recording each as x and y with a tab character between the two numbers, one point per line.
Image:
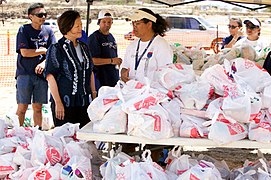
234	157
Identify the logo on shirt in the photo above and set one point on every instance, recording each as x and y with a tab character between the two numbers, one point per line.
110	45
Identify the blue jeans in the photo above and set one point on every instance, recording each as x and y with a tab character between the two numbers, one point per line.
31	87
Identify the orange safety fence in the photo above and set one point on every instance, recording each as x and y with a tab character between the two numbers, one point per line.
8	56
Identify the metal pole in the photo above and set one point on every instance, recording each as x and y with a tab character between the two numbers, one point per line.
89	2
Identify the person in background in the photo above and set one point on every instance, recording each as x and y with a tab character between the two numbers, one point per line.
235	28
68	71
146	54
32	42
253	31
103	48
84	37
150	51
254	42
267	63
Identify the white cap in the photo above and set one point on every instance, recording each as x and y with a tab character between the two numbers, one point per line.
102	14
139	14
254	21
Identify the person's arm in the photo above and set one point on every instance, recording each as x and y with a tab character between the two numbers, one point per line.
234	39
92	86
33	52
104	61
59	109
231	43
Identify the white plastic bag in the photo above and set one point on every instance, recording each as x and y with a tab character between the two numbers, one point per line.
193	127
174	76
114	121
152	168
261	131
222	131
152	123
202	171
194	95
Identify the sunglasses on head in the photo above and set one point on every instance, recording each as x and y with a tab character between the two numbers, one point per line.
251	27
40	15
232	26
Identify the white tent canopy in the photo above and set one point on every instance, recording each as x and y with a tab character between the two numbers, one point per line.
261	3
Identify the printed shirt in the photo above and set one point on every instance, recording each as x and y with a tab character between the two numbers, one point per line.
104	46
72	76
30	38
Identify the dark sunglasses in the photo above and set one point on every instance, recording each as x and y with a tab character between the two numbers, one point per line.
40	15
232	26
251	27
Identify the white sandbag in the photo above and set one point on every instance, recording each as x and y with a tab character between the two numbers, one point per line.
152	123
114	121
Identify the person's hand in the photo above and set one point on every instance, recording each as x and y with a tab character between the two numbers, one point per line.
43	50
40	67
93	94
116	61
125	74
59	111
239	33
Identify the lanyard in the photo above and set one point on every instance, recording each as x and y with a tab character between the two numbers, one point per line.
137	61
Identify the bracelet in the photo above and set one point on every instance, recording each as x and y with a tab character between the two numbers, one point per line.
95	92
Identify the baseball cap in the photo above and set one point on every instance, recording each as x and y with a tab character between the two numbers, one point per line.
104	14
254	21
139	14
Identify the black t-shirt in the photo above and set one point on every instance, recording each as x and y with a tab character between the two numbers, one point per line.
30	38
104	46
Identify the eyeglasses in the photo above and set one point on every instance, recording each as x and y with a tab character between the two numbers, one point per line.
40	15
136	23
251	27
232	26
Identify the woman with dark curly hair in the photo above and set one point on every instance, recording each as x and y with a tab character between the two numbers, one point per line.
150	51
68	71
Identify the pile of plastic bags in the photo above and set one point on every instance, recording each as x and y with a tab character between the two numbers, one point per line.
226	103
28	153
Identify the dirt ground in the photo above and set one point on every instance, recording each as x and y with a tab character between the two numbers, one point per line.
234	157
